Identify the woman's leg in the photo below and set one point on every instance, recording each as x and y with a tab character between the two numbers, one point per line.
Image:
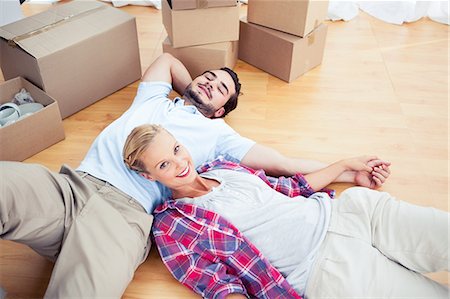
413	236
375	247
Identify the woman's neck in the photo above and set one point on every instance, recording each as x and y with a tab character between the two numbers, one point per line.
200	186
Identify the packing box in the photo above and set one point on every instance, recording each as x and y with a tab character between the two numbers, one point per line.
199	59
35	132
77	52
283	55
298	17
193	4
200	26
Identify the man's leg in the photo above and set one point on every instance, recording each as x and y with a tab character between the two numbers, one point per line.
103	235
105	244
32	207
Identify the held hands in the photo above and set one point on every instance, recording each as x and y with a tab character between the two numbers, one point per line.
365	171
369	171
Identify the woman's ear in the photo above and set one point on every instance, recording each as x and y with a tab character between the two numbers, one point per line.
147	176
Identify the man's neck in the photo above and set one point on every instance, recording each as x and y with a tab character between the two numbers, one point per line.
187	102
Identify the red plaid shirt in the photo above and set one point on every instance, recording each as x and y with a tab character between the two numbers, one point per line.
210	255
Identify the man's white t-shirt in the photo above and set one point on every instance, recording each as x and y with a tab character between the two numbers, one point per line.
204	138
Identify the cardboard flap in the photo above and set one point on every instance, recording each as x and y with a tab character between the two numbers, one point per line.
62	26
196	4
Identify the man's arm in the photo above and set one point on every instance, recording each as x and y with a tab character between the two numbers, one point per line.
276	164
371	172
168	69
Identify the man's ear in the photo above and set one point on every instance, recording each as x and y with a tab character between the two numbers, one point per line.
219	112
147	176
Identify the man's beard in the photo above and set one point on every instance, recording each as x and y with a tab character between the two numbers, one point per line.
193	97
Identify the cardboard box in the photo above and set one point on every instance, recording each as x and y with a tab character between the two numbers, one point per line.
283	55
33	133
77	52
298	17
194	4
199	59
200	26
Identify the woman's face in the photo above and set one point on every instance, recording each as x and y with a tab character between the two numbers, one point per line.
168	162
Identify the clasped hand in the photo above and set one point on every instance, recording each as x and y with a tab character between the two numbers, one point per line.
370	171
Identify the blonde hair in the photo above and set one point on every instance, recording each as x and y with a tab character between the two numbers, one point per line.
137	142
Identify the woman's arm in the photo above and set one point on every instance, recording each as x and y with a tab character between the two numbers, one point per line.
369	171
276	164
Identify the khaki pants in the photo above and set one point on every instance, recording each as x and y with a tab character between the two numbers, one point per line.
96	234
377	247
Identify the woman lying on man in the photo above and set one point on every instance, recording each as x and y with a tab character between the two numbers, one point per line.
266	244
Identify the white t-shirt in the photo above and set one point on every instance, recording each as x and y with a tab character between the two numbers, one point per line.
204	138
287	231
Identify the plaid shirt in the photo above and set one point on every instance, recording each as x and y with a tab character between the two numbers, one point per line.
210	255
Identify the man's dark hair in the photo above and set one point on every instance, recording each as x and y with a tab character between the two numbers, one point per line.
231	104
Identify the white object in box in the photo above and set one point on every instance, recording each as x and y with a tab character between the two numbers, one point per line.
32	134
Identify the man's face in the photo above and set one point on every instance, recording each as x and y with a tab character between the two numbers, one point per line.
210	92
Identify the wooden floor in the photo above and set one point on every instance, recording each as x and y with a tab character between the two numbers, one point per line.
381	89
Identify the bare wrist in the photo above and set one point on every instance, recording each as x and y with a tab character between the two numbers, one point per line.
343	165
347	176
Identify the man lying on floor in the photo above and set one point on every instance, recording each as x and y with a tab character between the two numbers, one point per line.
95	222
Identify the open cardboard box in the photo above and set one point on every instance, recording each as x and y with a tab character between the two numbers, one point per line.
199	59
298	17
194	4
35	132
194	27
283	55
78	52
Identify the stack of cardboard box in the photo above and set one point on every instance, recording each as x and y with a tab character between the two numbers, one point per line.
78	52
285	38
202	34
67	57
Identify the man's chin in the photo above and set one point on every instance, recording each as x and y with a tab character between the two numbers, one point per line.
194	98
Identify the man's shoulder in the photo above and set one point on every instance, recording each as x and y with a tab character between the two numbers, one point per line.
154	87
148	90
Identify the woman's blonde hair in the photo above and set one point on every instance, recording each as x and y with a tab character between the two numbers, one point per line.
137	142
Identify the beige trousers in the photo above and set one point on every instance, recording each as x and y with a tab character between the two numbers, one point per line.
96	234
377	247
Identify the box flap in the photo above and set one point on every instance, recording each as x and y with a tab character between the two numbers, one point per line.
62	26
279	34
223	25
196	4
